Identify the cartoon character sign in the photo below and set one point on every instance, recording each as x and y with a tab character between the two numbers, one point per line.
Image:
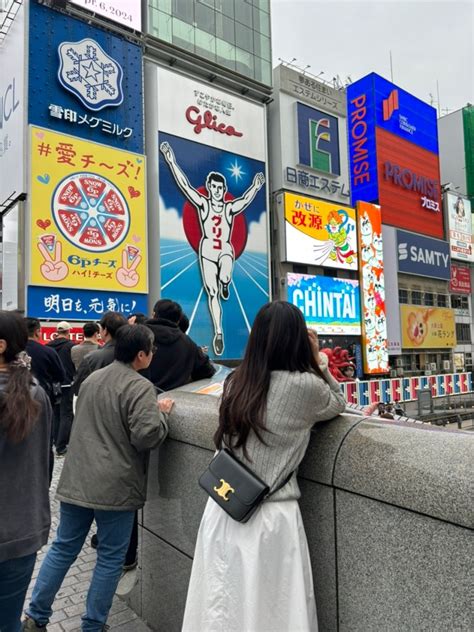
374	324
216	217
427	328
320	233
338	226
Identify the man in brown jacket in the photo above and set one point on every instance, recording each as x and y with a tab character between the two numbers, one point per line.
118	420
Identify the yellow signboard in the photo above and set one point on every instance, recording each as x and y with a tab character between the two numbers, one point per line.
320	233
88	215
427	327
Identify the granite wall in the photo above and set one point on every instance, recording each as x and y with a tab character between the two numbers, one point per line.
388	514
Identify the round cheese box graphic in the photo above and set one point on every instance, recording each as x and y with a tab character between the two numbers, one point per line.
91	212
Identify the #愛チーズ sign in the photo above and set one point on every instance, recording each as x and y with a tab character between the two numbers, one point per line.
88	215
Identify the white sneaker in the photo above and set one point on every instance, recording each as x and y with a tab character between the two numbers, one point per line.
127	582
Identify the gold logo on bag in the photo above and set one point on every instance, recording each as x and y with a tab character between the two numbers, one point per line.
224	490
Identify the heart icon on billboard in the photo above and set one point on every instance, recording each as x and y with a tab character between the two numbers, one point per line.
136	238
39	135
44	179
133	192
43	223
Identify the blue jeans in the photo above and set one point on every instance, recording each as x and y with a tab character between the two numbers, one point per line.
113	531
15	576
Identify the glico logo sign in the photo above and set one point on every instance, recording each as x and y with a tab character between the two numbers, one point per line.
90	74
208	120
318	136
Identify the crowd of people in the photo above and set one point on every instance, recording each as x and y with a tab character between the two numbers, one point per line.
99	405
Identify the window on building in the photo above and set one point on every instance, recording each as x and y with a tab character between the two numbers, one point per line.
244	12
468	361
442	300
183	10
416	297
403	296
205	18
300	269
459	302
225	29
463	333
429	299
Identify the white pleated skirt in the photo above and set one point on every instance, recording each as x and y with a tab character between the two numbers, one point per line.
253	577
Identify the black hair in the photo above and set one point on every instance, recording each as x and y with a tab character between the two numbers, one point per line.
18	410
140	318
170	310
112	321
130	340
183	323
217	177
90	329
32	325
278	341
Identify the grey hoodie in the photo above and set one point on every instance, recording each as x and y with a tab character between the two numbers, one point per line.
24	485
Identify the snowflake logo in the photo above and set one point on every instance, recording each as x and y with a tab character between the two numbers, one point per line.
90	74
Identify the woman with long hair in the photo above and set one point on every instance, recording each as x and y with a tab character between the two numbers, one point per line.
25	426
257	576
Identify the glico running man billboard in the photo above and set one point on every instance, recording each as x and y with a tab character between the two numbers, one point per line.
213	220
393	151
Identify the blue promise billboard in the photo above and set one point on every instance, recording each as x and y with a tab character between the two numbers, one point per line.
84	81
423	256
375	102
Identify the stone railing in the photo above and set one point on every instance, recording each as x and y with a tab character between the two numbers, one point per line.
388	512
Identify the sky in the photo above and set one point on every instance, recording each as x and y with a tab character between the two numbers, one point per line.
431	42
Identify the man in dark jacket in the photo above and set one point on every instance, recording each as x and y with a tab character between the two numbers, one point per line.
63	414
178	359
45	363
109	324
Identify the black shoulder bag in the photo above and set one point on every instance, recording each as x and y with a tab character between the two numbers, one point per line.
234	487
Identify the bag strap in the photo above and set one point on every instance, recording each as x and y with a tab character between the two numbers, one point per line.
281	485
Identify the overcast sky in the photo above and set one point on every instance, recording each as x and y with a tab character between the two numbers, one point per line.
430	40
